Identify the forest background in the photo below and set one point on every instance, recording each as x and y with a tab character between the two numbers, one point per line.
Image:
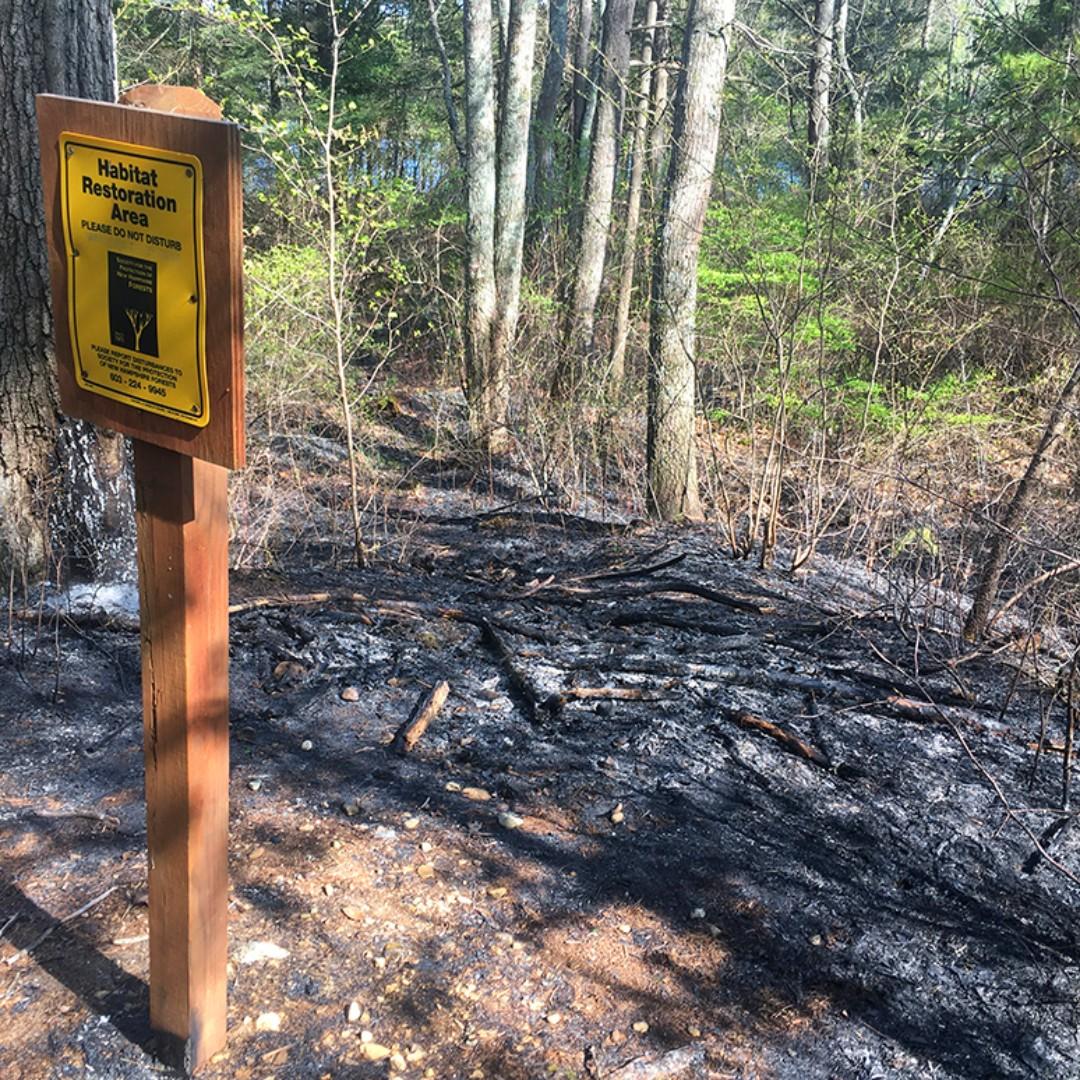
473	212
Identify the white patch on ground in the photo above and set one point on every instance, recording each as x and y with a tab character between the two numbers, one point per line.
117	600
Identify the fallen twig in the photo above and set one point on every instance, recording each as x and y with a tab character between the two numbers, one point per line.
600	693
640	571
692	588
56	925
425	710
530	700
791	743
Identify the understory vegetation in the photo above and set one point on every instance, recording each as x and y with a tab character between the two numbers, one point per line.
886	318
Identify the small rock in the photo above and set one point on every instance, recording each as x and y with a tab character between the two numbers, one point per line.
453	785
397	1062
497	892
350	693
640	1027
307	744
353	1012
257	951
553	1018
816	939
351	807
476	794
374	1051
268	1021
625	928
617	816
425	847
412	823
254	784
694	1033
617	1037
366	1036
356	914
425	871
510	821
328	889
697	913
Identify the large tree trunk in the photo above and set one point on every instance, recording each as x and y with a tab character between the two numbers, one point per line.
496	167
599	194
514	114
671	450
541	187
821	84
487	407
65	488
633	202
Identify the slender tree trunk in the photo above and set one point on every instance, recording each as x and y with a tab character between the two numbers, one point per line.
671	449
65	487
633	201
1012	522
514	114
487	414
583	52
821	85
854	92
447	82
541	185
599	194
658	136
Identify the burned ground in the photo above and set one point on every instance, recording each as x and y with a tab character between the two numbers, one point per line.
674	860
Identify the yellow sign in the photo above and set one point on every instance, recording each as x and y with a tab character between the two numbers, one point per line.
133	231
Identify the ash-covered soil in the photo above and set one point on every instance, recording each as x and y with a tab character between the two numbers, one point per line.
673	888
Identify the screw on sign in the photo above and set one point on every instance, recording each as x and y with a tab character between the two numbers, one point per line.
143	212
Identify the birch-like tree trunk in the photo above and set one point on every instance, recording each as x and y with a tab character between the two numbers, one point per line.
599	194
660	126
671	448
617	368
496	167
487	412
514	114
854	91
65	487
541	185
821	84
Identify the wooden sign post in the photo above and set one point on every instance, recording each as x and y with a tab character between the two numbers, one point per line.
143	211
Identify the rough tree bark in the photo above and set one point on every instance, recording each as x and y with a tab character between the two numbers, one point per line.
671	451
617	367
495	170
599	194
821	84
65	487
541	185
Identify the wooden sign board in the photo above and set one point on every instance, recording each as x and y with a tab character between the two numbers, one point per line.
149	341
143	213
